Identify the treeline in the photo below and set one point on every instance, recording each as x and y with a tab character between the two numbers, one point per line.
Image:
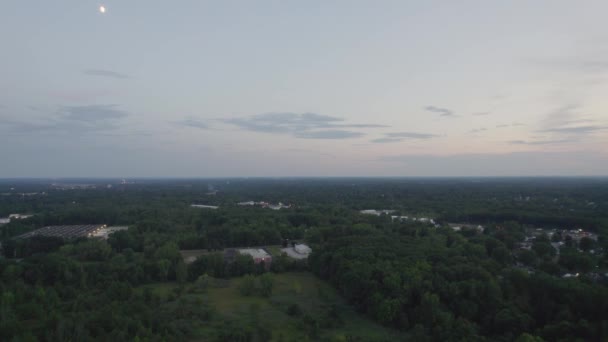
433	284
439	285
96	290
86	290
530	217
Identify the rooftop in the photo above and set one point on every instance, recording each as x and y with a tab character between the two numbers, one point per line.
64	231
256	253
203	206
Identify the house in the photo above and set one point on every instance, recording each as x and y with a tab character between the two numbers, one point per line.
299	251
259	255
302	249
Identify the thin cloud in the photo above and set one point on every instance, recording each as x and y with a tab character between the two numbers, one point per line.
386	140
73	120
283	122
300	125
576	130
566	122
92	113
481	114
329	134
313	152
579	121
411	135
105	73
400	136
561	116
502	126
439	110
192	122
361	126
540	142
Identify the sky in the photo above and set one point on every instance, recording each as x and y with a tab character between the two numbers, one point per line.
196	88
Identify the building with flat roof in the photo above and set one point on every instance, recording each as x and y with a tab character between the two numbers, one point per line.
104	232
203	206
376	212
66	232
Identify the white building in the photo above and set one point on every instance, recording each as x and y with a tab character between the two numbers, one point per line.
19	216
302	249
376	212
104	232
299	251
202	206
258	255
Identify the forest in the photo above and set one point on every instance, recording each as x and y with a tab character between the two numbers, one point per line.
368	278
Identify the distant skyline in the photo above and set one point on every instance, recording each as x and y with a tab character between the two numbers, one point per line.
315	88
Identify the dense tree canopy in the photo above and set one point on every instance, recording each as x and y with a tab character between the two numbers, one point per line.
428	282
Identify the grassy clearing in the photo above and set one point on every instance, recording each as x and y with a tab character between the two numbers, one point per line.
314	298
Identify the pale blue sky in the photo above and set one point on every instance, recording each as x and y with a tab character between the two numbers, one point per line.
303	88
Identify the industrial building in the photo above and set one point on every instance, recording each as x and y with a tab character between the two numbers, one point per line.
203	206
66	232
105	232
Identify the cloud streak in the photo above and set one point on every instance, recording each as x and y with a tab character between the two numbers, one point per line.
329	134
300	125
93	113
575	130
192	122
72	119
441	111
566	123
105	73
540	142
401	136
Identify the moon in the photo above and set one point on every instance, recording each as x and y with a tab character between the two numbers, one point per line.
102	9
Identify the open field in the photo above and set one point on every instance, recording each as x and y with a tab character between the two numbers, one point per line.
314	298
